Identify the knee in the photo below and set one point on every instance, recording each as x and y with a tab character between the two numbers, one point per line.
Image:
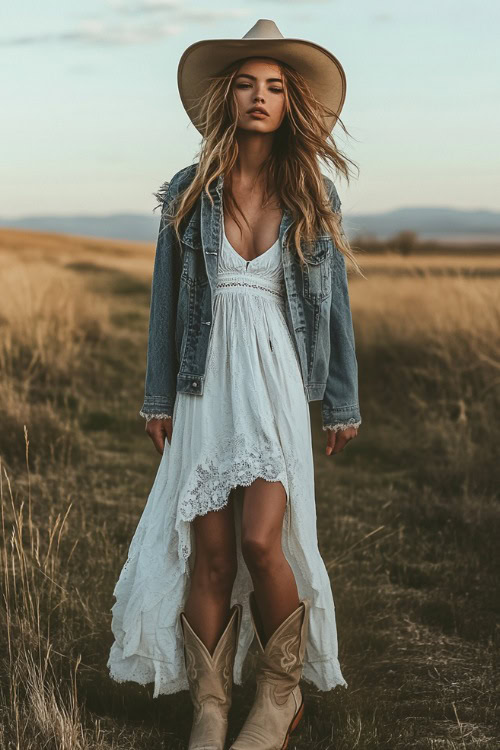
259	553
216	572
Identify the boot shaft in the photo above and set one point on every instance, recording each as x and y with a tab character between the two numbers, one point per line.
281	660
210	676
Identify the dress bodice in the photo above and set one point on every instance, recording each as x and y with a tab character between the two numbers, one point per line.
268	264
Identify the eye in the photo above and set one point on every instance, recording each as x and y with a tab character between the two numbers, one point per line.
246	85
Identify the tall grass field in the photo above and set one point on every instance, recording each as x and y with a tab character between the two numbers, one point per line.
408	513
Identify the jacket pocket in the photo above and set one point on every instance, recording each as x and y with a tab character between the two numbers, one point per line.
194	272
316	275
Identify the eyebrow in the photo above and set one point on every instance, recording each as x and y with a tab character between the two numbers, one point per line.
253	78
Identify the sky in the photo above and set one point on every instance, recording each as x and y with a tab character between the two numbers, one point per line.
92	121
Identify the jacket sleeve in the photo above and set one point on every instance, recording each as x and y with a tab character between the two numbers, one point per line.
340	405
162	362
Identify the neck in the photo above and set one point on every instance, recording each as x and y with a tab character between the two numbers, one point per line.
253	150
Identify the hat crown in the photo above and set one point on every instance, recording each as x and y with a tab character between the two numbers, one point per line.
264	29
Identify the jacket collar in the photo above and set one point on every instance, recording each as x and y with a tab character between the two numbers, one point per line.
204	211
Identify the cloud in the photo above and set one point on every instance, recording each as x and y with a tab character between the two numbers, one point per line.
146	7
382	17
210	16
304	2
97	32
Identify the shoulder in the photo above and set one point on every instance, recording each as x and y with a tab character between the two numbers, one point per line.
180	180
184	176
332	193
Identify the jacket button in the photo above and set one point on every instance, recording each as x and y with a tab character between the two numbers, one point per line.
194	382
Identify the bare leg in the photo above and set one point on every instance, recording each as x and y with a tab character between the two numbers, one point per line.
213	575
275	587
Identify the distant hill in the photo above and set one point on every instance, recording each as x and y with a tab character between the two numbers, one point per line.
135	227
429	223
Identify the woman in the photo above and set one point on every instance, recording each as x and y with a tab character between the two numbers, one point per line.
246	327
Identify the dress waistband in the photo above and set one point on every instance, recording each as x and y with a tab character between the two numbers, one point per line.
251	281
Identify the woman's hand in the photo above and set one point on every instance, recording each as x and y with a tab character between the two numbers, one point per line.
157	429
336	441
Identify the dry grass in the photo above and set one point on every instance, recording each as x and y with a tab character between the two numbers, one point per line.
391	262
40	707
408	514
63	250
429	351
49	322
48	318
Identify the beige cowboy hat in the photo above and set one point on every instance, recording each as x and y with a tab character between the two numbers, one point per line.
209	57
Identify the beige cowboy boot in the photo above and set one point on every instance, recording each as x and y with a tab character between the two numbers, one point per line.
210	679
278	705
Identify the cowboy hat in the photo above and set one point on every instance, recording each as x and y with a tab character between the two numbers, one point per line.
209	57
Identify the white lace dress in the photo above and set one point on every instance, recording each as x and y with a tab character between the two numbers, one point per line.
251	421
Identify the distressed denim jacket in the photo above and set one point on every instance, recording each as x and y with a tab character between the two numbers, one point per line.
317	311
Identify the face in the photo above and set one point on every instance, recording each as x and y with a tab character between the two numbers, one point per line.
259	83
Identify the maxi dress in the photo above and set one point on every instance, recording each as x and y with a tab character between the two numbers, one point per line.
251	421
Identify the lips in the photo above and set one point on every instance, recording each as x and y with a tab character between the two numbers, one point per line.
258	110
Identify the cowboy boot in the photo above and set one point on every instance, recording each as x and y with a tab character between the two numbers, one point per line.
210	679
278	705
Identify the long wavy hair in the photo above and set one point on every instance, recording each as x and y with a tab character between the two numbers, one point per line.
291	170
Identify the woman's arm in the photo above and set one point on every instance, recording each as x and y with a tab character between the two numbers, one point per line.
162	362
340	406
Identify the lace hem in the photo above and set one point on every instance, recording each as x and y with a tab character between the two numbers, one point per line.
342	425
234	464
149	417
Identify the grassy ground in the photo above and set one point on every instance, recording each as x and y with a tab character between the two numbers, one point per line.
408	514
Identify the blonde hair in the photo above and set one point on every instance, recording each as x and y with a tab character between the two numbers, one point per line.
292	166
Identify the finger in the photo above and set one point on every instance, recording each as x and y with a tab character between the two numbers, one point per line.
159	442
340	443
330	441
157	436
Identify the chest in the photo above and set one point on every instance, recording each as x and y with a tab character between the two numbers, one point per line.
261	232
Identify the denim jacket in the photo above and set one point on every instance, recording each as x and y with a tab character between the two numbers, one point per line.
317	311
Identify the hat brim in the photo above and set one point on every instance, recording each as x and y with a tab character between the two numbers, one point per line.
323	72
